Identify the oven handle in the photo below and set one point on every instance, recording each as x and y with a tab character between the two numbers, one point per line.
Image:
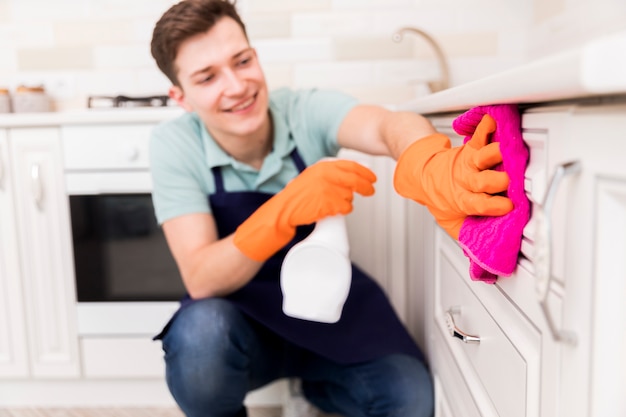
542	258
37	185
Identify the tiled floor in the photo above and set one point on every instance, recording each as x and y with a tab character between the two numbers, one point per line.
118	412
91	412
265	412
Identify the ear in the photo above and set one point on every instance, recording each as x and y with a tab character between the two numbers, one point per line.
177	94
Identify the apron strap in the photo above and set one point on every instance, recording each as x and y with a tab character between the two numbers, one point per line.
219	179
297	159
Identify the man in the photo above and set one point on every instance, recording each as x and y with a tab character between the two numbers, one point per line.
237	182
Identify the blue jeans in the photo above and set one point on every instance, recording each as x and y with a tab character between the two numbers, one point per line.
215	355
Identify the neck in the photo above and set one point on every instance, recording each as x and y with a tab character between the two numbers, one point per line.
251	149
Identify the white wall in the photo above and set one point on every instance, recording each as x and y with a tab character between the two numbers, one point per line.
557	25
82	47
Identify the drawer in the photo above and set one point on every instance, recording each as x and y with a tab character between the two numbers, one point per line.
102	147
122	357
452	394
505	363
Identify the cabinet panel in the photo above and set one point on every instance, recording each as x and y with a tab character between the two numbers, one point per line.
45	245
608	360
584	374
452	394
499	365
442	406
13	357
380	248
596	243
535	178
588	246
122	357
106	147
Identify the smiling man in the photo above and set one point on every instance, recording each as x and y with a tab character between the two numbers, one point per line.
238	180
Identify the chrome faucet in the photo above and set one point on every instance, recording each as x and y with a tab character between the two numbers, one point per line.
444	81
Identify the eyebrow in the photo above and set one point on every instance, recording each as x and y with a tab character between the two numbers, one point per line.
208	68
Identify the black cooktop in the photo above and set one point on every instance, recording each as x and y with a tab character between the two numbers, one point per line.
127	101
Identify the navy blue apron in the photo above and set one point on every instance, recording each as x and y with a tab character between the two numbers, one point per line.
368	328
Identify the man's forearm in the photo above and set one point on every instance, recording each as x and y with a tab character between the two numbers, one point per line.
400	129
219	269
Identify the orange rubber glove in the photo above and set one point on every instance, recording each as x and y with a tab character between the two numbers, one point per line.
454	183
323	189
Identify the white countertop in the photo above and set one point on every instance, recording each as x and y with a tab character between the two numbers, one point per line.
596	68
91	116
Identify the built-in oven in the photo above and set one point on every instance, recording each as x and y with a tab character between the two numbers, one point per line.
127	282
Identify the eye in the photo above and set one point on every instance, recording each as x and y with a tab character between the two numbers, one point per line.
244	61
206	79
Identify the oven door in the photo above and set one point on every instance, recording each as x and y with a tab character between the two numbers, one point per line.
127	281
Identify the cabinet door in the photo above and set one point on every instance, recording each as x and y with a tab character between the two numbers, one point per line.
587	271
594	372
379	248
45	245
13	358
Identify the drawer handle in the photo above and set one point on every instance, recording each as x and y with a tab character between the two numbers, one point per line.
542	257
131	153
37	185
455	331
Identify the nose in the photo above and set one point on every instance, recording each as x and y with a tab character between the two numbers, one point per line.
234	83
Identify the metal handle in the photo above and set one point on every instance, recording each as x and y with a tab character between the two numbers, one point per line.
36	185
1	171
455	331
542	258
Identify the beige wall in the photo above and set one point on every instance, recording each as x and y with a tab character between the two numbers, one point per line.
82	47
558	25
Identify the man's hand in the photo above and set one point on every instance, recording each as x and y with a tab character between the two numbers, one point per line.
324	189
454	183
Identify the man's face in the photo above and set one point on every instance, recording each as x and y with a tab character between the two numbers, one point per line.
221	79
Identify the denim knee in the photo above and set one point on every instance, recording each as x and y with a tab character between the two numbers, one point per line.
396	385
204	347
411	391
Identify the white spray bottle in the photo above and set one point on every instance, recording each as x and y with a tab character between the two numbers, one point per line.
316	273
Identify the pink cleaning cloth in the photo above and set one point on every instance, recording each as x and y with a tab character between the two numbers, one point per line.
493	243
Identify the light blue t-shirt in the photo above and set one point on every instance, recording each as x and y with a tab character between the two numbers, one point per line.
182	152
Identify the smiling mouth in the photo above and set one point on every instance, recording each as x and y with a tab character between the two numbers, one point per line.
243	106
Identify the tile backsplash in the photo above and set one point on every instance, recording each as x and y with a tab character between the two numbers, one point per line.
81	47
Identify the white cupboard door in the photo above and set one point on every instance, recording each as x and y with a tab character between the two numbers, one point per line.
588	268
598	244
13	357
379	248
45	244
608	373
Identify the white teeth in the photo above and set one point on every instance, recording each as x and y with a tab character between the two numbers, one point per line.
243	105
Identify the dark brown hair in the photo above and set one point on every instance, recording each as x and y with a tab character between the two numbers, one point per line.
182	21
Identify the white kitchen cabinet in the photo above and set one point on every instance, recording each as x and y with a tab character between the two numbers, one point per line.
13	349
46	358
42	214
565	359
379	248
